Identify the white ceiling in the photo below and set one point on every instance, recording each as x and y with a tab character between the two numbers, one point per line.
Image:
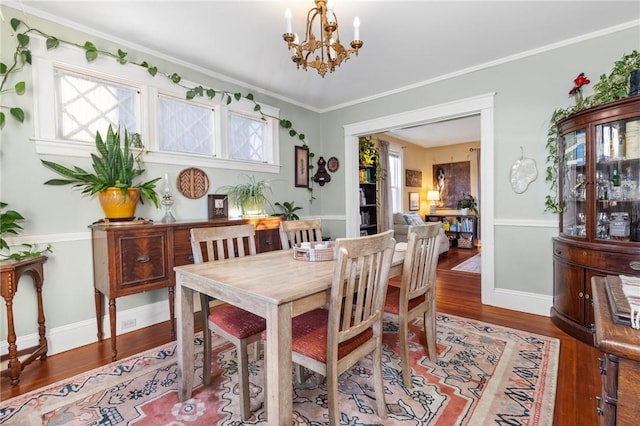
406	43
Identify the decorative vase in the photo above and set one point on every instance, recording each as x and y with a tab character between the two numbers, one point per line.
119	207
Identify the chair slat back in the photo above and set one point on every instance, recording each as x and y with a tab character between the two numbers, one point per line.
421	261
299	231
360	279
223	242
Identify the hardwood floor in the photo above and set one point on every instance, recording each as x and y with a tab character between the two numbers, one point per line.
458	294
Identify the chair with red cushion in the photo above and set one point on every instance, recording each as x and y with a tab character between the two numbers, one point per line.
234	324
416	295
329	341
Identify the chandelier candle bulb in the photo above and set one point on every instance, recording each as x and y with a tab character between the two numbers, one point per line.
356	28
287	18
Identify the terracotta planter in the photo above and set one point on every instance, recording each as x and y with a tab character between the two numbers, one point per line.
115	206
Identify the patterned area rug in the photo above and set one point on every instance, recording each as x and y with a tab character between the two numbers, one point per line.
485	374
470	265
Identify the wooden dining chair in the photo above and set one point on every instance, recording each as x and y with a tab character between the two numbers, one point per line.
234	324
416	295
299	231
329	341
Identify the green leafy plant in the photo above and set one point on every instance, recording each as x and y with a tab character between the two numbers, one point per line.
368	152
610	88
9	225
114	166
288	210
250	196
616	85
468	201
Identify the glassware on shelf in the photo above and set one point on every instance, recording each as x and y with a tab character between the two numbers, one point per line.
167	201
602	227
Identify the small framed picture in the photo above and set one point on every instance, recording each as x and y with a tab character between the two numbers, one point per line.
218	206
414	201
302	167
333	164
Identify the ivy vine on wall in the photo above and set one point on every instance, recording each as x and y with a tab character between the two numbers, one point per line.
22	57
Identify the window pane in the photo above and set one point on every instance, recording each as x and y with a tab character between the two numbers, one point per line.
246	138
86	105
394	182
184	126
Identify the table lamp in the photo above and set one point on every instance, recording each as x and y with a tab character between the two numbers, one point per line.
433	196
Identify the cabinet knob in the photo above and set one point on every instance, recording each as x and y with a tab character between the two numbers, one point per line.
558	251
268	242
635	265
581	294
143	259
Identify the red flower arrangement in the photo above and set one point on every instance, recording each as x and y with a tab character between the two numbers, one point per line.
580	81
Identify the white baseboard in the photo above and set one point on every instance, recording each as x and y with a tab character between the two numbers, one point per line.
82	333
531	303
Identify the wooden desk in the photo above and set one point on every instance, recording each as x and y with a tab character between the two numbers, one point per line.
272	285
620	367
10	273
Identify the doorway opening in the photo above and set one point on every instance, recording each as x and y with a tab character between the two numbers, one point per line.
482	105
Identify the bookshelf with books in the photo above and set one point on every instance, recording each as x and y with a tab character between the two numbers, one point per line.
368	201
462	230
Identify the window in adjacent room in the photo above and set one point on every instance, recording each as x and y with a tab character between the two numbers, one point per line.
395	179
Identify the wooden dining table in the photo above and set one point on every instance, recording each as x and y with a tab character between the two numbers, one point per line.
272	285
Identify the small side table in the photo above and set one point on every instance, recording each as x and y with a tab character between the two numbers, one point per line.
10	273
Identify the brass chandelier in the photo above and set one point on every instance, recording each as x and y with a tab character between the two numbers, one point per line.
324	51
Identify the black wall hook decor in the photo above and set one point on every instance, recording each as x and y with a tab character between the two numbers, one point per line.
322	176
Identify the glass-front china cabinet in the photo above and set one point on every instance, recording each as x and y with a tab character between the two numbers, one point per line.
599	190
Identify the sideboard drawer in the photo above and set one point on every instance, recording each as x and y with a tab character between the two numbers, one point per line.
621	263
182	253
143	259
268	240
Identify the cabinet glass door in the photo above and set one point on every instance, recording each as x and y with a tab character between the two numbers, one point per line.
574	184
617	180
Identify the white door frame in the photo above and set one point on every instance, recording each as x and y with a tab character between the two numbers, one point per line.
483	105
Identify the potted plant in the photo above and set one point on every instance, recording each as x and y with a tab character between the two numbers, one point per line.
466	203
9	225
114	171
288	210
249	196
367	151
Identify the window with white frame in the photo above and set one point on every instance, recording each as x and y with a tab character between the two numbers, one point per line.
185	127
247	138
395	179
75	99
86	105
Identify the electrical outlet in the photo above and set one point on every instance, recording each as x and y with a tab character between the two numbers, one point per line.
130	323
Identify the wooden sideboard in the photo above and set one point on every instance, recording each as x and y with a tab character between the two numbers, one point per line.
133	258
619	403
